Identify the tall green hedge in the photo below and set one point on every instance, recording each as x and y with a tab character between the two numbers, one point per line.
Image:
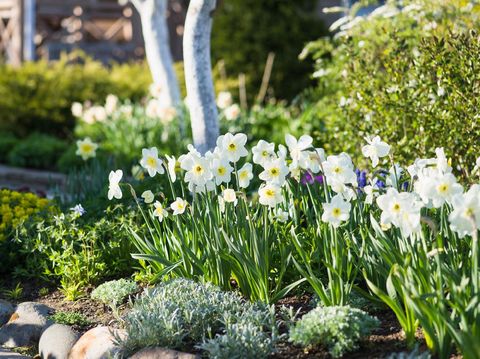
411	77
245	31
38	96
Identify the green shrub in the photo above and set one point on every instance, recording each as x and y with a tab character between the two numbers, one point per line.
7	142
181	313
114	292
282	27
76	251
337	328
411	78
37	151
38	95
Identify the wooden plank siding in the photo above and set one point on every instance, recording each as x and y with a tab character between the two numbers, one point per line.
102	28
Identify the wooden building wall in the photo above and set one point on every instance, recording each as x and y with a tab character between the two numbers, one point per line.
102	28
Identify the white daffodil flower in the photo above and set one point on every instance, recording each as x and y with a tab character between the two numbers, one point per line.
263	152
400	209
160	212
77	109
171	167
114	179
224	99
245	175
375	150
270	195
179	206
148	196
151	162
280	215
198	169
229	196
336	211
465	217
315	159
339	169
233	146
111	104
442	161
86	148
275	172
232	112
297	149
436	189
222	171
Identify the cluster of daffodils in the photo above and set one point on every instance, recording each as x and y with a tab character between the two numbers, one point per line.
156	109
231	110
399	195
113	109
96	113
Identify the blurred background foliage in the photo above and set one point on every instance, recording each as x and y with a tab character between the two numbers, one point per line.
406	71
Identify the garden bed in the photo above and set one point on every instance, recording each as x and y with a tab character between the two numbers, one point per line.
385	340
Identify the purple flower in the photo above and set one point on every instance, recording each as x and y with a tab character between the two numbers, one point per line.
380	184
78	210
309	178
361	178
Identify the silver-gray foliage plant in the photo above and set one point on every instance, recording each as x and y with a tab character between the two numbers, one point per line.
114	292
181	314
338	328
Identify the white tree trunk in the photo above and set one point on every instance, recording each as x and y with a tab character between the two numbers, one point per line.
157	48
198	74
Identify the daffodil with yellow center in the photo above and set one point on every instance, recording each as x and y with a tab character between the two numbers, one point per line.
86	148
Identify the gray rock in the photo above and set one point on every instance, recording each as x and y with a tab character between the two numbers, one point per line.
25	326
162	353
6	354
6	310
97	343
56	342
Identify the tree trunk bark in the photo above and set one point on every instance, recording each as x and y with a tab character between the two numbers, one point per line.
157	49
198	74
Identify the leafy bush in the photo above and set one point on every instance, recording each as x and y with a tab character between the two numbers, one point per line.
75	250
37	96
37	151
7	142
282	27
337	328
408	72
181	313
114	292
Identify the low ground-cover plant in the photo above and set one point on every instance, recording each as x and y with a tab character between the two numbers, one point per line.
337	328
71	318
114	292
321	220
181	314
